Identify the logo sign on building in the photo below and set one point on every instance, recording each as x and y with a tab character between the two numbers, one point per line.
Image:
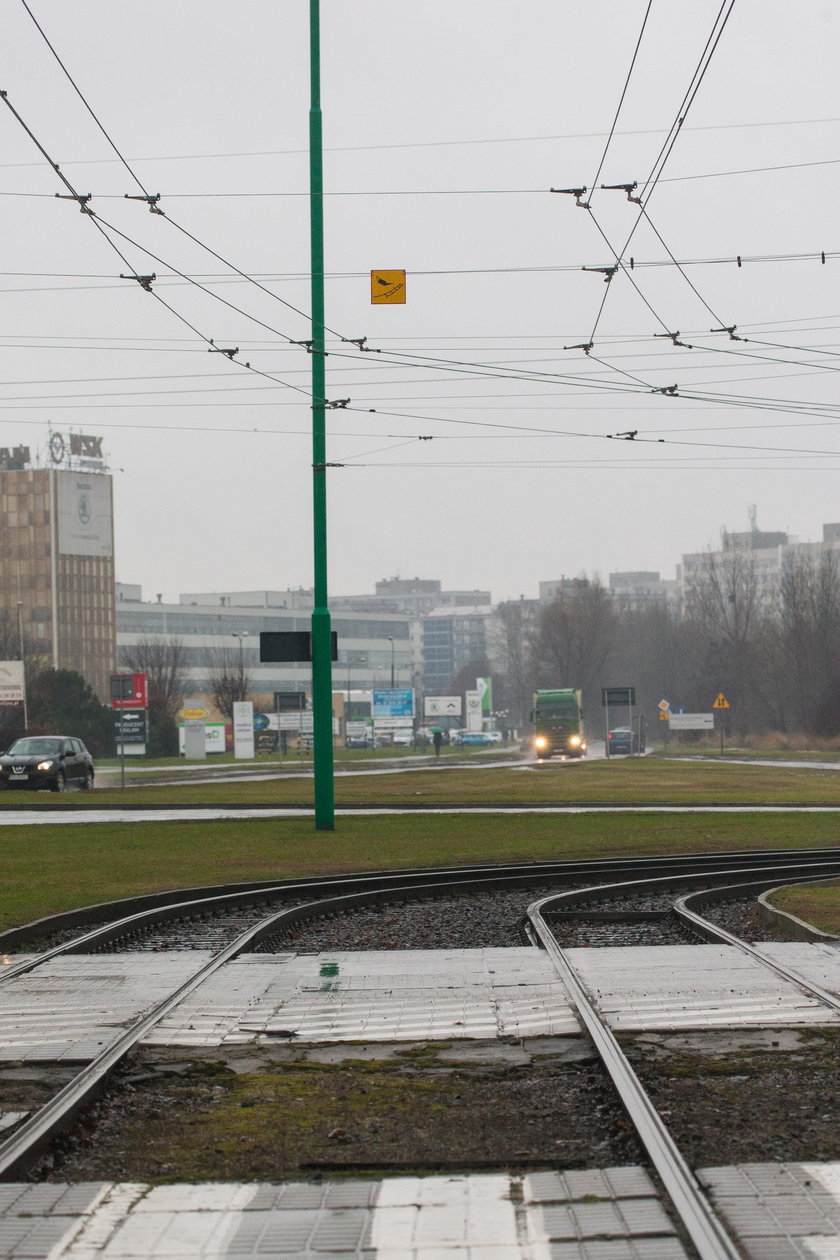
442	706
85	517
692	721
11	682
393	702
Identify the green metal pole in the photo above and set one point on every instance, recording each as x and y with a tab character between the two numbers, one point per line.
321	631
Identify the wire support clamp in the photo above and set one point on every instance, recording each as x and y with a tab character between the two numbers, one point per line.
214	349
151	200
626	188
145	282
577	193
606	272
81	198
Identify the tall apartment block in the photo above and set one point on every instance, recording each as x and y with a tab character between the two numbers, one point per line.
57	558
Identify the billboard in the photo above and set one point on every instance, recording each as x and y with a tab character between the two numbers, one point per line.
442	706
393	702
84	515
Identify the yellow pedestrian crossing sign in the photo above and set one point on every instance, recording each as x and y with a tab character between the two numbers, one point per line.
387	287
721	702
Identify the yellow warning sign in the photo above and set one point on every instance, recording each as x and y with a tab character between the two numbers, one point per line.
721	702
387	287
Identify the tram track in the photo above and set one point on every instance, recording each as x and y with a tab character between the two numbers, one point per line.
304	902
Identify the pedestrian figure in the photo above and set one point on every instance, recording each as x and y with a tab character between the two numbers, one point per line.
437	740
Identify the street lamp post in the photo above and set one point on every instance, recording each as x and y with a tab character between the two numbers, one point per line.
23	662
240	635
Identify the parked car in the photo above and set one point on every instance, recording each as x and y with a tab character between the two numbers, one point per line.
620	740
47	761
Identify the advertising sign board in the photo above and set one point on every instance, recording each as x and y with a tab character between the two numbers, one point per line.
243	730
130	691
442	706
393	702
474	710
214	736
130	732
692	721
85	525
11	682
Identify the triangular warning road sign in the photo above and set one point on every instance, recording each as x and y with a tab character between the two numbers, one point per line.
721	702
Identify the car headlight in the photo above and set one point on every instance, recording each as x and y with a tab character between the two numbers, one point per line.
45	765
540	741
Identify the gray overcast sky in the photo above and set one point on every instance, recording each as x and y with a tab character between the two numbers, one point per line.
445	125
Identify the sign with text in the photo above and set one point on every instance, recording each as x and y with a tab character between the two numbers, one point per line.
391	702
11	682
130	691
692	721
130	732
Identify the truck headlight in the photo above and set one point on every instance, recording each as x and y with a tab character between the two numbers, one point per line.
574	740
540	741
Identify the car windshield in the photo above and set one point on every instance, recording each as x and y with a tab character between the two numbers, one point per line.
35	748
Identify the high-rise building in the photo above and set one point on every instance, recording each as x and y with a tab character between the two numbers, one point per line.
57	556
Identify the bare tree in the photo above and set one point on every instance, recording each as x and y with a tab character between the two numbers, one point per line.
164	662
576	635
729	606
228	681
809	633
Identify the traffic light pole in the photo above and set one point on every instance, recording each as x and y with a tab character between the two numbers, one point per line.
321	629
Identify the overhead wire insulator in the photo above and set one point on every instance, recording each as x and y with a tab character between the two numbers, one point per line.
585	346
670	390
336	404
355	341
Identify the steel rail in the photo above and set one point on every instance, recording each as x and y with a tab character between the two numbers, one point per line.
18	1151
692	1207
132	908
713	931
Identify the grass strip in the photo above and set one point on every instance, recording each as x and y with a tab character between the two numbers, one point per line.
47	869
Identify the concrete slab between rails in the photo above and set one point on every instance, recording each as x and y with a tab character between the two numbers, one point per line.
643	988
604	1212
774	1212
73	1006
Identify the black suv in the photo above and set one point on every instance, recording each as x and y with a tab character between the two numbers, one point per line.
47	761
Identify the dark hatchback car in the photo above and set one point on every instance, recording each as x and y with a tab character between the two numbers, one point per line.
47	761
620	740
